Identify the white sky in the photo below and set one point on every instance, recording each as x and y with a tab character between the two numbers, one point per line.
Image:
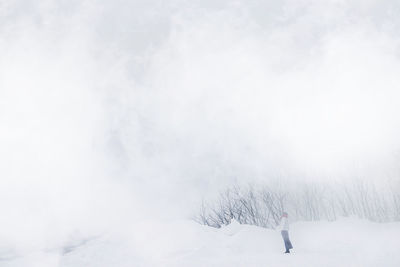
110	106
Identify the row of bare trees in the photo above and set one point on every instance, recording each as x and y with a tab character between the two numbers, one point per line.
263	205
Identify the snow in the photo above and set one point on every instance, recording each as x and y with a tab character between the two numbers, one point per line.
346	242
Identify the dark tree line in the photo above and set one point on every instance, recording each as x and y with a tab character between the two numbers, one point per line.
263	205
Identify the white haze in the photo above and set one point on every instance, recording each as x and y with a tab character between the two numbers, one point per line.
113	111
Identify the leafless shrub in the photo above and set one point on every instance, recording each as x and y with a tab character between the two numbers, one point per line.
263	206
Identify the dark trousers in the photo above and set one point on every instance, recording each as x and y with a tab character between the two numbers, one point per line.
288	244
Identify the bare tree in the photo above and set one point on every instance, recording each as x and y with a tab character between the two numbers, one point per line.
264	205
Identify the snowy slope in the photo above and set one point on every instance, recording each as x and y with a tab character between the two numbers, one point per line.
347	242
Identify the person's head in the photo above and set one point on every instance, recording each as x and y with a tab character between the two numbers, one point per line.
284	214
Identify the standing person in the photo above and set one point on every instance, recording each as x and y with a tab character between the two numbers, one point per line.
284	227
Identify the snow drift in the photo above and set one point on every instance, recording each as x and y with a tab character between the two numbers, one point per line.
346	242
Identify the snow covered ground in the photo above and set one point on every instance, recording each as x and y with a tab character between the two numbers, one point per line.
347	242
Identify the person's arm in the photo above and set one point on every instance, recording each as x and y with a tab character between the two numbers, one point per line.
280	225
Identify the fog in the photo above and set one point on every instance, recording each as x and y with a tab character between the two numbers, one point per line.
116	111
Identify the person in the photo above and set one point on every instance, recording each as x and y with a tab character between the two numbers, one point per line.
284	227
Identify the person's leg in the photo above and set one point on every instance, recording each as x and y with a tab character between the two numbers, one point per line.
289	243
285	237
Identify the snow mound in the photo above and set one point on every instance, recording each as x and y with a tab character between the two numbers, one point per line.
232	228
347	242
